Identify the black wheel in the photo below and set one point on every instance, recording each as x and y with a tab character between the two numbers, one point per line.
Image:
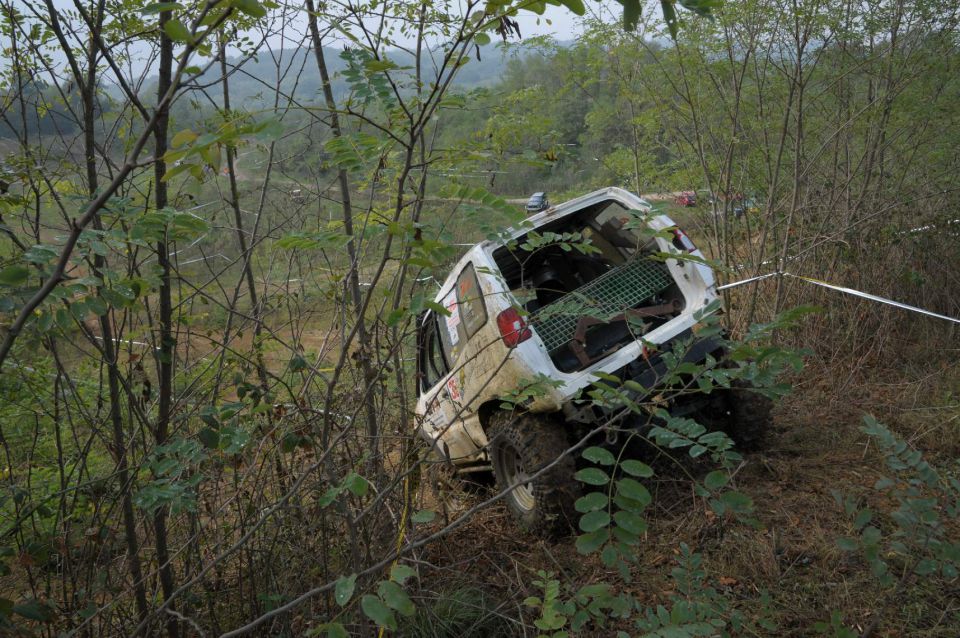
521	445
749	419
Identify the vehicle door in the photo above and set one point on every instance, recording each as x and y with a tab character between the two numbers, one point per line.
441	418
444	365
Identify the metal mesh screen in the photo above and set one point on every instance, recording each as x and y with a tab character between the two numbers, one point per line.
609	294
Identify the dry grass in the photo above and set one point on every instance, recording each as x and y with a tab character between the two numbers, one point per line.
792	554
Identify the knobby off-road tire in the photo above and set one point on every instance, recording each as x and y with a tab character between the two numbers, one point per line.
749	420
520	446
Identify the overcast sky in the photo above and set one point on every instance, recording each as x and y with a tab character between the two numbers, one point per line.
558	22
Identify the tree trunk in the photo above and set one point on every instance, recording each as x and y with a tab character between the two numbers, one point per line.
353	277
167	343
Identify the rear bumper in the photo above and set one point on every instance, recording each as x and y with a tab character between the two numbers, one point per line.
649	372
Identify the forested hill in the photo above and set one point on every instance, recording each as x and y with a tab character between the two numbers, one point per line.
257	76
254	80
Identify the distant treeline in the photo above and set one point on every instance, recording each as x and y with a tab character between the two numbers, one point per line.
40	111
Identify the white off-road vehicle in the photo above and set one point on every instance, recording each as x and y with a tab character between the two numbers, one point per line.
583	287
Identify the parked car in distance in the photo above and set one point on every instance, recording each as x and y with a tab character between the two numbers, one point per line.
745	205
687	198
537	203
739	203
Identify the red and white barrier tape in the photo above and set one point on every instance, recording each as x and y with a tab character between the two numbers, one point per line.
843	289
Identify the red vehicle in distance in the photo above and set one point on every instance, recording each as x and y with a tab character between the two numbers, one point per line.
688	198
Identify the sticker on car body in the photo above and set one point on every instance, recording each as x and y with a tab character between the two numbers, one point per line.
453	389
453	320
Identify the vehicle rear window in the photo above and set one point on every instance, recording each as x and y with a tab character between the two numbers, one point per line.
473	312
467	311
450	326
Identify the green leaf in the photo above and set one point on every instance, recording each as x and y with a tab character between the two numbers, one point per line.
97	306
592	476
595	590
395	316
329	496
376	611
737	501
634	490
610	555
629	504
703	8
250	7
335	630
631	13
14	275
122	291
863	517
630	521
847	544
379	66
208	414
400	573
481	39
189	223
575	6
46	321
34	610
233	439
183	137
289	442
599	455
343	590
176	170
79	310
176	31
298	363
607	377
357	485
636	468
592	521
157	7
697	450
590	502
669	16
395	597
209	438
63	319
926	567
423	516
715	480
591	542
39	254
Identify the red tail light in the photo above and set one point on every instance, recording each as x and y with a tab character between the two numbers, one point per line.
513	328
681	241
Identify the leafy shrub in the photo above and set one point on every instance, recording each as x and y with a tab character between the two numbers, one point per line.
916	537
